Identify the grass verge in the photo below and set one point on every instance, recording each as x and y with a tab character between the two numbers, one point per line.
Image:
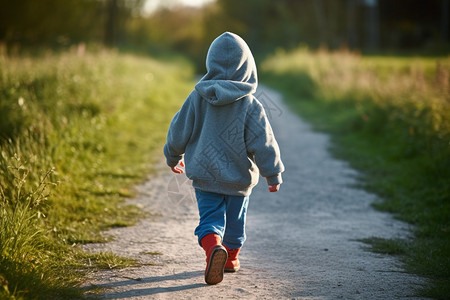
78	131
390	118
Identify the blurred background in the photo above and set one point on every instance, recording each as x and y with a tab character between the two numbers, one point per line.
381	26
88	89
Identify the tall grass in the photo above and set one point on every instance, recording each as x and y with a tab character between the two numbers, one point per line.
77	132
390	117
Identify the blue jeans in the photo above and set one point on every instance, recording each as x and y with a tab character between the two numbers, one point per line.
223	215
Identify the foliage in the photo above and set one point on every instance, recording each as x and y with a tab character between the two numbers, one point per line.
78	131
266	25
335	23
62	23
27	25
185	30
390	117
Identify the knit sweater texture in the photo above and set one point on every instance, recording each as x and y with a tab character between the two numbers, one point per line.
222	129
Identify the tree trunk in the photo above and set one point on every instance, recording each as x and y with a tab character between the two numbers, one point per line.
351	25
321	21
444	24
111	23
372	26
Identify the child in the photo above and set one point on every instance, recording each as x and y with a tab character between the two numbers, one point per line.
226	139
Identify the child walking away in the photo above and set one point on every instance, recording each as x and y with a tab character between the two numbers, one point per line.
227	141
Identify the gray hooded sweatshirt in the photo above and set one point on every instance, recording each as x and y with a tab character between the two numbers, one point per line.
222	129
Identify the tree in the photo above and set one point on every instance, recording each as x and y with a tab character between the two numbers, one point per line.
111	23
444	22
59	23
372	27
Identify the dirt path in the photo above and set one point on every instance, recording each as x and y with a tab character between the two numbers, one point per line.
302	241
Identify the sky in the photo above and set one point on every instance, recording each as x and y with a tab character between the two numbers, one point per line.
151	5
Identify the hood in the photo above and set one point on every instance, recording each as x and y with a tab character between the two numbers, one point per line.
231	71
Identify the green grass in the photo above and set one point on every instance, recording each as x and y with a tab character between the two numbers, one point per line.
77	133
386	246
390	118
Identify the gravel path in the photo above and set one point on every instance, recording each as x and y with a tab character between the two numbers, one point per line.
302	241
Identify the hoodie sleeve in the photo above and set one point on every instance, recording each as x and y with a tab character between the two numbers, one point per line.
262	146
179	133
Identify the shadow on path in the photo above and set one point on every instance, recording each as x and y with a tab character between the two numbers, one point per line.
152	291
130	283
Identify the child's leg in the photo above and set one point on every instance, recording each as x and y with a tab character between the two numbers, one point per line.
234	236
236	215
212	210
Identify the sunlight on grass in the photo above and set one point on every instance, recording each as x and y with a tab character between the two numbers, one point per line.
404	88
77	133
390	118
106	260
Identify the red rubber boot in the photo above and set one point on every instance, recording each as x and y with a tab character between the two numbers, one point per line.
216	257
232	264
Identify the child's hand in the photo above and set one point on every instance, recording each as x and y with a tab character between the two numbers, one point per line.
274	188
178	168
